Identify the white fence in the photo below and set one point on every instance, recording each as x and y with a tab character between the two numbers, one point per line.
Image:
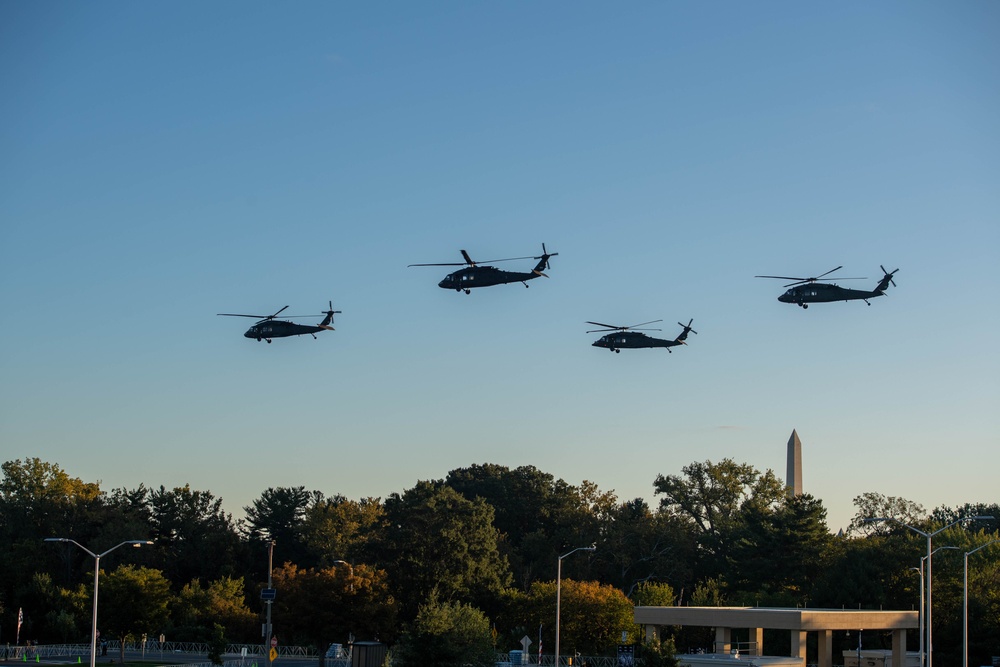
180	653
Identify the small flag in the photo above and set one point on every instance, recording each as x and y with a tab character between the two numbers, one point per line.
20	620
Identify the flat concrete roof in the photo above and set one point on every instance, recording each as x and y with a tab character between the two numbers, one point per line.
778	618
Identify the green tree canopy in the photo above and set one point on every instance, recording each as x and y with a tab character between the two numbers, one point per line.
436	541
780	551
715	499
197	610
133	601
194	537
446	634
279	514
340	529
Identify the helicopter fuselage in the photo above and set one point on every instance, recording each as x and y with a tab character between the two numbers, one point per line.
268	329
483	276
632	340
803	295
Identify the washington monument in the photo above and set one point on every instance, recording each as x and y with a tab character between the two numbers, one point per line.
793	475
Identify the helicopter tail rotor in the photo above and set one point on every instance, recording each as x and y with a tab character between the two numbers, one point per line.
883	284
687	329
328	320
543	264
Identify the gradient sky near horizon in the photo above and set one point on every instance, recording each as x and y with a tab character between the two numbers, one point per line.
164	162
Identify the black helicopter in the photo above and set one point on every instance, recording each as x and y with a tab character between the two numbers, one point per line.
474	275
267	327
628	337
816	290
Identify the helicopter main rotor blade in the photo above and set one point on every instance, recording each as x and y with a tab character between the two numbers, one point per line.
259	317
805	280
828	272
601	324
276	314
642	324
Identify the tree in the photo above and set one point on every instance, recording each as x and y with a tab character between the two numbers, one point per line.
593	615
40	500
658	652
133	601
340	529
714	499
196	610
780	551
446	634
637	545
315	606
653	594
875	505
437	542
279	515
945	515
194	536
217	645
537	516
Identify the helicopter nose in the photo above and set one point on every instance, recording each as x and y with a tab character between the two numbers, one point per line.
446	283
248	334
785	298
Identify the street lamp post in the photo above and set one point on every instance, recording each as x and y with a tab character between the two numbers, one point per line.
920	571
97	568
929	536
965	604
559	592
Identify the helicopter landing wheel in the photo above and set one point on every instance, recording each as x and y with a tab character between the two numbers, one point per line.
259	339
805	305
268	341
618	351
468	291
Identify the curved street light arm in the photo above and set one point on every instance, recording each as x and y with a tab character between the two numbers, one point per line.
97	571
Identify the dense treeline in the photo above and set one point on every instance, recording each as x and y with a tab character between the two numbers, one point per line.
470	560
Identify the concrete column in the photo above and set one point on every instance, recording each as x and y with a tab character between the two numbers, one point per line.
825	648
898	648
723	640
799	644
757	639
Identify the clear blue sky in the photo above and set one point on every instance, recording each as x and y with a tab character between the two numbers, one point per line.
164	162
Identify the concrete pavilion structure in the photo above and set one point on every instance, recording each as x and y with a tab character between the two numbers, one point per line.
798	622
